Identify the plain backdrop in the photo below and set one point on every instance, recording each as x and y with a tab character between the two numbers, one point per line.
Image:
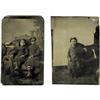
47	8
83	28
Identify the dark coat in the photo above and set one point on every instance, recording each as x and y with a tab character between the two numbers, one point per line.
76	55
21	55
33	58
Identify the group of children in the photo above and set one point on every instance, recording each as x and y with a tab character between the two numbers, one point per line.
22	60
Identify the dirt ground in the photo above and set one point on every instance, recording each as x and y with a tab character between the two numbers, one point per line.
61	76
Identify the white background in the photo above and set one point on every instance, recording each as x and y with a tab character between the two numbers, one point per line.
48	8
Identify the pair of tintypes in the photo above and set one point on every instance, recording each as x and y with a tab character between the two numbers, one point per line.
75	46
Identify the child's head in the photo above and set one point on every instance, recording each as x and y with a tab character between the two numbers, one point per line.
73	41
32	40
22	42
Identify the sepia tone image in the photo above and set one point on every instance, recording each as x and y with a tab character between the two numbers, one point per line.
22	50
75	46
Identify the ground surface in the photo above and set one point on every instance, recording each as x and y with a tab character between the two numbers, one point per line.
61	76
8	79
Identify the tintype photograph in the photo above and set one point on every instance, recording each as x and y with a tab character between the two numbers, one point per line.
75	50
22	50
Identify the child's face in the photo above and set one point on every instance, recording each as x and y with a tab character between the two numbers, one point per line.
73	42
22	42
32	41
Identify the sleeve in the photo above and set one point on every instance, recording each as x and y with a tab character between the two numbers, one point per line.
13	51
37	51
26	52
68	54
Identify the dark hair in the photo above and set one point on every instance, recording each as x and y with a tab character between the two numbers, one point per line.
21	40
73	38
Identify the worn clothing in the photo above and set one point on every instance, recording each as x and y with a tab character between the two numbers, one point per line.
33	59
21	55
34	50
76	56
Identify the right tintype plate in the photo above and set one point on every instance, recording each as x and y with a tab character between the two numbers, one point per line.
75	45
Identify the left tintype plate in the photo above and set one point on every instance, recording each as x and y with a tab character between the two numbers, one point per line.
22	50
